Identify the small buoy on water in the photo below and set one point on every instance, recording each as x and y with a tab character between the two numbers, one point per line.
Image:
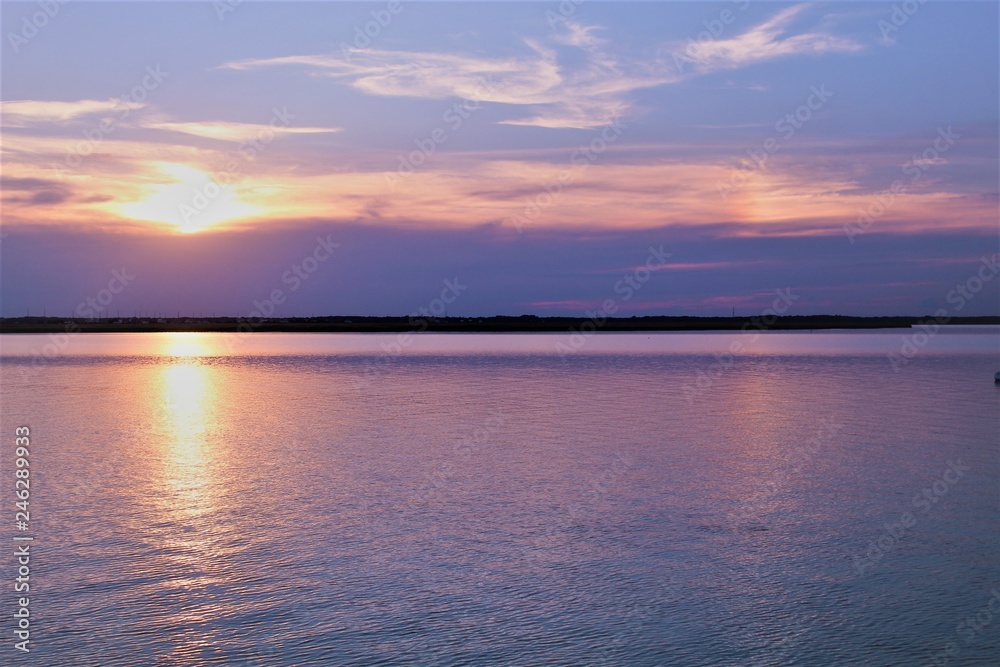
996	376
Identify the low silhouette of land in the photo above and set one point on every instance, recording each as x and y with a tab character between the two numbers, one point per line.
494	324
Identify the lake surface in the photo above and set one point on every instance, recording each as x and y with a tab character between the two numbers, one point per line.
621	499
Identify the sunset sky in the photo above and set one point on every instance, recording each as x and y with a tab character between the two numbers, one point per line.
533	154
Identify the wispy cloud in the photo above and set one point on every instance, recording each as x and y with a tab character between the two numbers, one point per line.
228	131
587	94
27	113
424	74
769	40
562	92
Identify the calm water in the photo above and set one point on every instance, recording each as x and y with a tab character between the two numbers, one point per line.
294	499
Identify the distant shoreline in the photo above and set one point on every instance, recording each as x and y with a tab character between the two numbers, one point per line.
495	324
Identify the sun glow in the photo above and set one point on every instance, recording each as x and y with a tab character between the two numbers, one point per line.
190	200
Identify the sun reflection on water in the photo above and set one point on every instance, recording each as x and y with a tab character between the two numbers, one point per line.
187	346
186	397
187	486
187	503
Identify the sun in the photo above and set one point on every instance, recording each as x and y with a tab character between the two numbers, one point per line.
189	199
